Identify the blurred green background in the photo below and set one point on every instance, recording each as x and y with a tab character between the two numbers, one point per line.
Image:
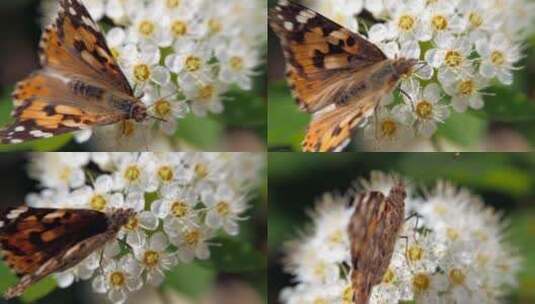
506	181
236	269
242	126
506	123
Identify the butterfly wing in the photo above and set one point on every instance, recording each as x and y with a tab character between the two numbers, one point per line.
45	105
74	56
29	237
330	129
74	44
373	230
318	51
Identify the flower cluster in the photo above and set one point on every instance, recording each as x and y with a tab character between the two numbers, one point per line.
463	46
453	252
182	56
181	201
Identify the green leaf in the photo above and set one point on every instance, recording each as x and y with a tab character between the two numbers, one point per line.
41	145
202	132
39	290
286	123
507	105
463	128
234	256
190	279
34	293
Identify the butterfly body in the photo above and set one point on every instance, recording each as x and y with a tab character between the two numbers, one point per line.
36	242
374	229
333	73
80	85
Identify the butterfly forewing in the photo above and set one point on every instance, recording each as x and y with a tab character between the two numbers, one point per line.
29	237
37	242
317	50
373	231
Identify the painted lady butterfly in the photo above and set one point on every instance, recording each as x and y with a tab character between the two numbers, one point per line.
79	86
38	242
333	73
373	231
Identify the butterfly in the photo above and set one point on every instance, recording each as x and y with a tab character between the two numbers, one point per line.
37	242
79	86
333	73
373	230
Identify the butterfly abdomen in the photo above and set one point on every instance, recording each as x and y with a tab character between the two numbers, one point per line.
86	90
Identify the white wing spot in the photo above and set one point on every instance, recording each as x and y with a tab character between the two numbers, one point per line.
16	141
288	26
20	129
283	3
72	11
1	224
13	214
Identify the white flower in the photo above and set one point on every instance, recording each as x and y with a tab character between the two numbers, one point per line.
154	259
166	106
60	170
191	61
133	173
466	92
237	64
224	209
205	96
387	126
192	243
424	108
442	18
118	279
177	208
407	23
98	197
498	58
451	57
142	67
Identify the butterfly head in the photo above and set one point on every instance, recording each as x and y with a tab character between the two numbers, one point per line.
404	66
121	217
138	112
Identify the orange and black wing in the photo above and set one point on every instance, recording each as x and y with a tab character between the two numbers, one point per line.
318	53
29	237
74	44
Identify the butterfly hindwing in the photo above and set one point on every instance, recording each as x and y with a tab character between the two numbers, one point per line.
330	129
318	50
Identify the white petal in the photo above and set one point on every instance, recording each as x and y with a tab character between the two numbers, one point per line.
158	242
160	75
506	77
64	279
487	70
148	220
213	220
99	284
160	208
155	278
115	37
103	183
202	252
232	228
459	104
432	92
476	102
117	296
